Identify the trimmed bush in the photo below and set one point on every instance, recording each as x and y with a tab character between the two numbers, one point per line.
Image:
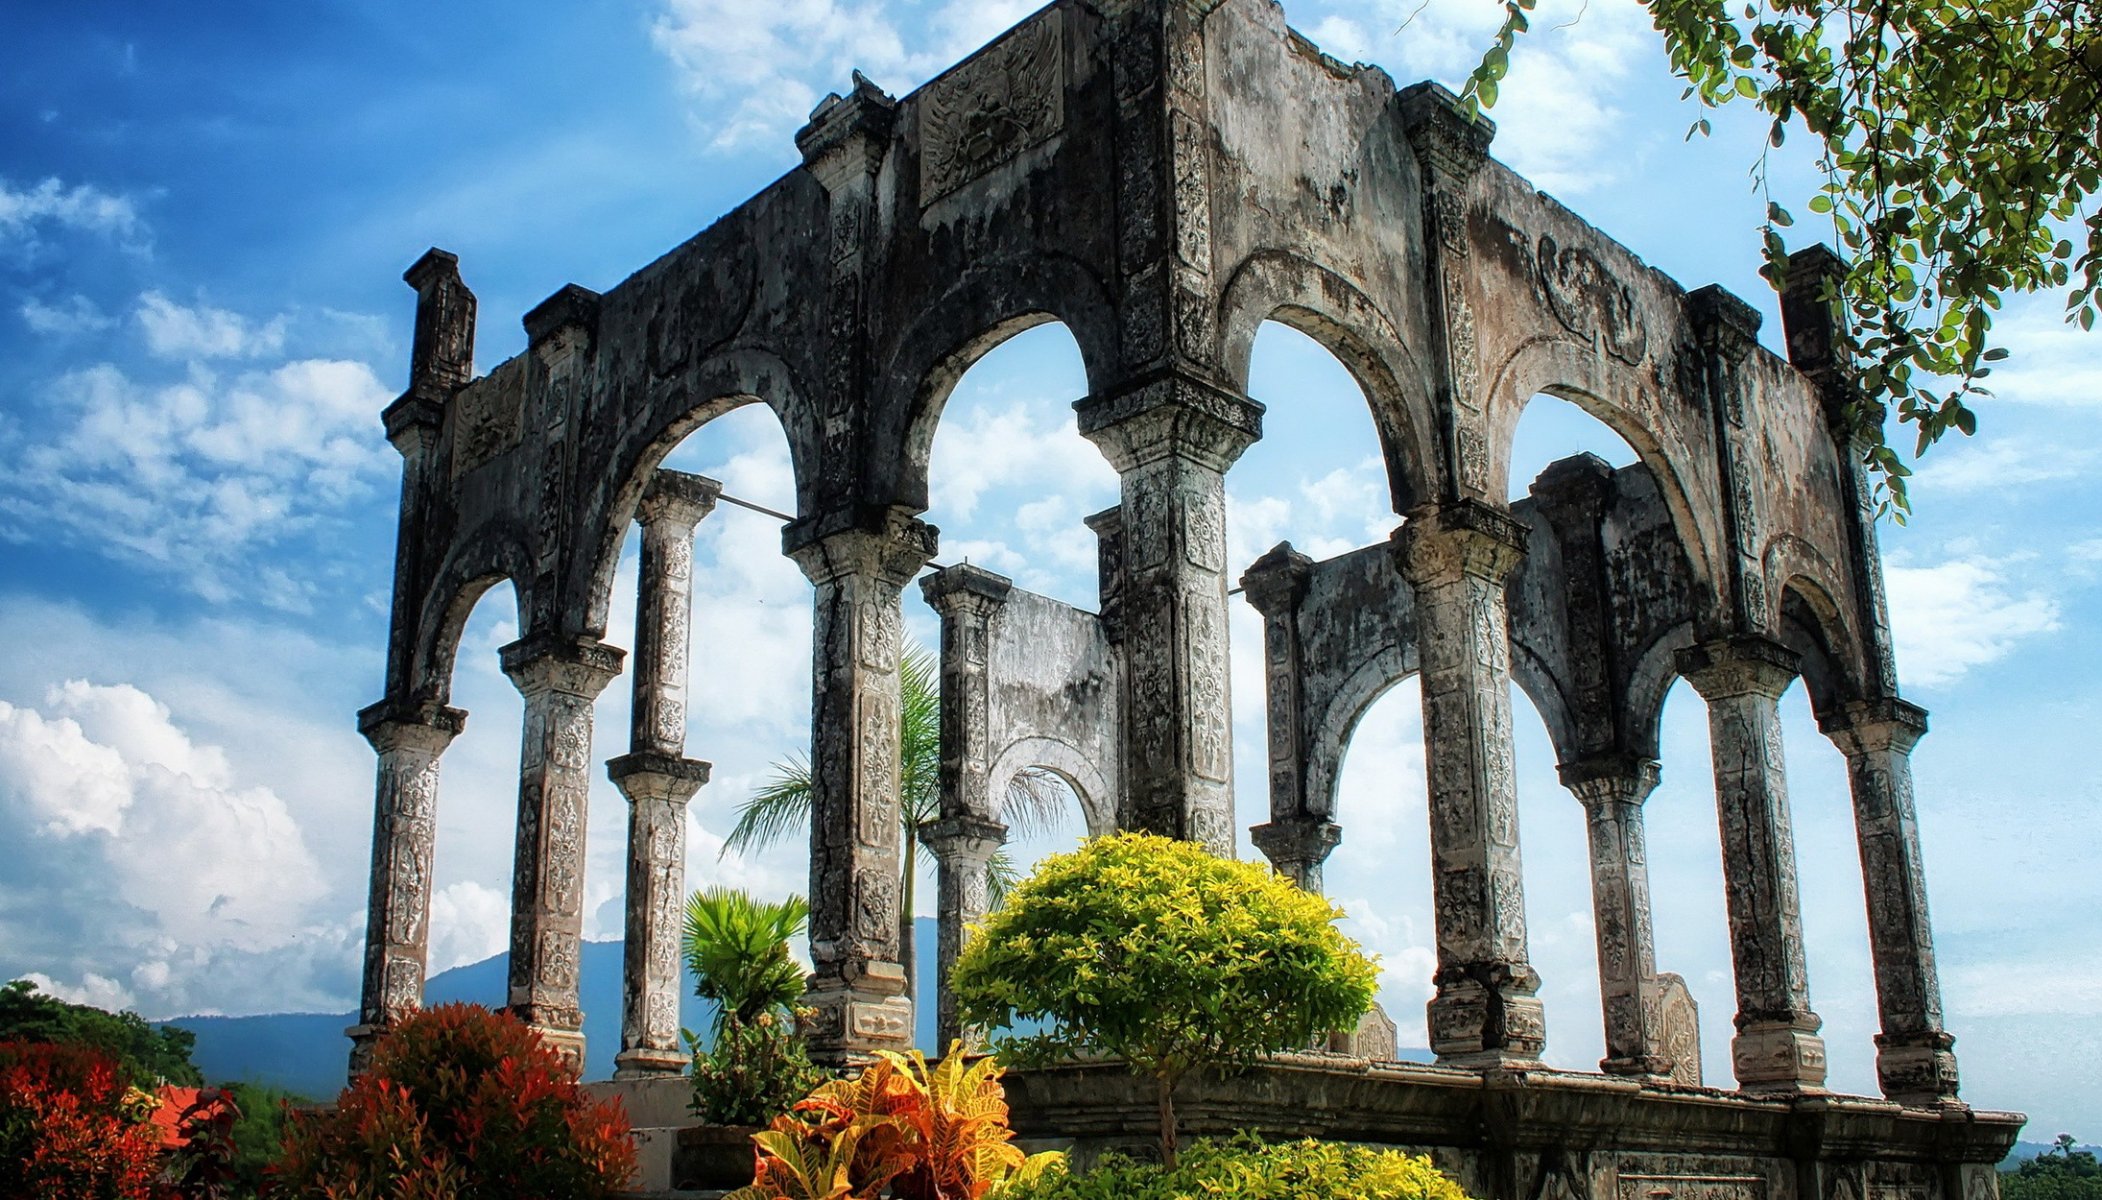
1245	1168
461	1104
70	1128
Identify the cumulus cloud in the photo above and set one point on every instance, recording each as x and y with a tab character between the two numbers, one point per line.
75	314
145	858
29	210
194	473
1952	617
199	332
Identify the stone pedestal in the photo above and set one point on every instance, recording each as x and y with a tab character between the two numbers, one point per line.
1171	437
1742	678
560	678
859	563
1914	1061
404	835
1612	790
1456	557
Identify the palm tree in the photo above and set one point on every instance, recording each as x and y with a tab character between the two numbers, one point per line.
737	949
781	807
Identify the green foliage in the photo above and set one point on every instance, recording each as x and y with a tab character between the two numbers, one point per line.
2060	1173
900	1129
460	1104
1961	143
1247	1169
737	949
257	1132
147	1055
1157	952
752	1072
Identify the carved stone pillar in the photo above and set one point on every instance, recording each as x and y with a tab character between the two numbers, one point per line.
657	778
964	846
1171	437
404	835
967	598
1612	789
559	677
1914	1062
1456	557
1742	678
859	563
1299	835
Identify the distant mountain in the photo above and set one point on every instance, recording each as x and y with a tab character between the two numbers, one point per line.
306	1053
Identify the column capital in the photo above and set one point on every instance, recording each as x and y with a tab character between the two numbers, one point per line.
847	135
1170	413
965	589
1723	324
441	356
1276	582
885	542
1449	141
1301	838
973	839
647	775
1626	777
1869	726
563	325
573	666
390	724
1449	541
1741	664
677	499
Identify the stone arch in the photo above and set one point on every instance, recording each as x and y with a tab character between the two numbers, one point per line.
489	555
724	383
1537	680
987	306
1331	732
1811	623
1567	371
1098	799
1273	285
1650	682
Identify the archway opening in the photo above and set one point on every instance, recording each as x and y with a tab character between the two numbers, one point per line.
1689	906
1561	932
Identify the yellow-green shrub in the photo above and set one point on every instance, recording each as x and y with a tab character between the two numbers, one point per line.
1244	1168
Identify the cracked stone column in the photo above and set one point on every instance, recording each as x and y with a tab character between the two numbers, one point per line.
657	778
1914	1061
964	846
1299	836
1742	677
404	836
1613	789
1457	556
1171	437
859	563
559	677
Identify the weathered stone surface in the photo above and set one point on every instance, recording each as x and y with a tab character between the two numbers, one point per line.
1163	176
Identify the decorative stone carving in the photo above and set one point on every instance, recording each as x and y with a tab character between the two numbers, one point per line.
1678	1026
1590	301
1612	790
488	418
993	107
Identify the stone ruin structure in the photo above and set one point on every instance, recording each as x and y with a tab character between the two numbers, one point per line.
1163	176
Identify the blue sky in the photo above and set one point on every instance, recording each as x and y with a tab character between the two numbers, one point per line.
204	212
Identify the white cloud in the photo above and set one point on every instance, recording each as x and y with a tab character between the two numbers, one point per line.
76	314
82	208
1021	445
469	922
2050	362
202	332
1999	461
1960	614
97	991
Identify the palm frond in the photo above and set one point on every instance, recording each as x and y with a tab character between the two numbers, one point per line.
780	808
1038	800
1001	877
737	948
919	736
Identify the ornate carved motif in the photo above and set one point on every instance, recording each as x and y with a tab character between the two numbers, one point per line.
1590	301
1691	1187
488	417
993	107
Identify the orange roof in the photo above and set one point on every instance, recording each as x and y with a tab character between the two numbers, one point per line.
178	1106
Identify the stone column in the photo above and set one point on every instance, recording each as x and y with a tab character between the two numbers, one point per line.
964	846
1456	556
404	835
559	677
1299	835
1171	437
859	562
657	778
1742	677
1914	1062
1298	845
1612	789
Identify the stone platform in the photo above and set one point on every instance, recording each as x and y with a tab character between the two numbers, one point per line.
1547	1135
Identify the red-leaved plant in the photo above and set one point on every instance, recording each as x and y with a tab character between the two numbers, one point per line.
460	1104
70	1128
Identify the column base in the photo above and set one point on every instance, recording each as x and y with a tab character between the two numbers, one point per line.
1652	1068
1917	1070
362	1039
1779	1056
568	1045
646	1063
1473	1024
852	1019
